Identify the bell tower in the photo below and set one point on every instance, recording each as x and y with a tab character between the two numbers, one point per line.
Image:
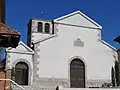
2	11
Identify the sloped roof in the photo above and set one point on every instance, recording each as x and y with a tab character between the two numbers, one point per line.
80	14
21	48
5	30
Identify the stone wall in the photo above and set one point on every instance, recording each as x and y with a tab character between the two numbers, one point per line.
51	82
88	89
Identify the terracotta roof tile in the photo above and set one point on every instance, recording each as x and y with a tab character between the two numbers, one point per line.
5	30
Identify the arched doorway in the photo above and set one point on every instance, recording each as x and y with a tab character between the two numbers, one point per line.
21	73
77	73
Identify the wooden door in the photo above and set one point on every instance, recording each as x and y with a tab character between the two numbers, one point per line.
77	73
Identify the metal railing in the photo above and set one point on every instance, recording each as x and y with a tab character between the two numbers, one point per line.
13	82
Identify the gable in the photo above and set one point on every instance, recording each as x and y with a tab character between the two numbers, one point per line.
78	19
21	48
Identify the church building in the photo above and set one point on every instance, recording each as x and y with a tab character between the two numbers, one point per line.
68	52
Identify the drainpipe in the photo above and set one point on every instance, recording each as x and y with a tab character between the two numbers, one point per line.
53	27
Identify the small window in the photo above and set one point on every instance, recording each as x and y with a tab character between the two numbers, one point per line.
47	27
21	73
40	26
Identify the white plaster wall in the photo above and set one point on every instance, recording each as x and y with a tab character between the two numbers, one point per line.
38	36
14	58
78	19
56	53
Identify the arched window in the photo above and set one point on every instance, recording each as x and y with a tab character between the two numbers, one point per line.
47	27
21	73
40	26
77	73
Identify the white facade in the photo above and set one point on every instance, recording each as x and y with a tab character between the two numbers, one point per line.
22	53
59	50
75	36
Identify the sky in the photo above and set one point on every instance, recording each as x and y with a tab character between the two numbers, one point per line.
104	12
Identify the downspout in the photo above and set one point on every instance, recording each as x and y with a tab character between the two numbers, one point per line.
53	27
